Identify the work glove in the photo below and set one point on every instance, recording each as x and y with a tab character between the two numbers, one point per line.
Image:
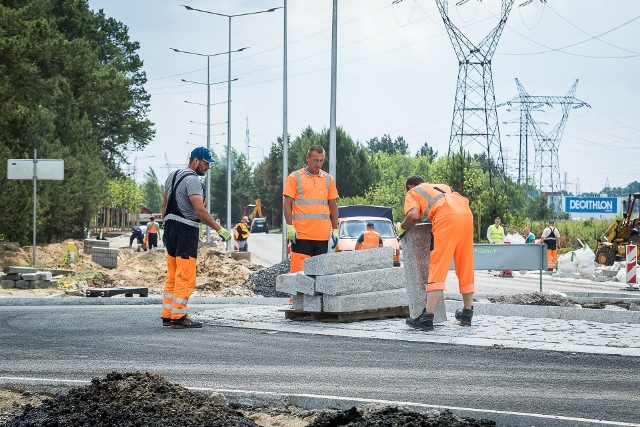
334	238
400	230
224	234
292	234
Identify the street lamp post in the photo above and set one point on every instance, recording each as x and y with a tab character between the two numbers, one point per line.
229	102
208	177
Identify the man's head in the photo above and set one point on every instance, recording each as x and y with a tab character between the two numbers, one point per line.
200	160
413	181
315	159
551	222
526	231
151	218
497	220
245	219
370	225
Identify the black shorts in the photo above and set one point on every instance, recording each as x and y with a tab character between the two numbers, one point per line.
181	240
310	247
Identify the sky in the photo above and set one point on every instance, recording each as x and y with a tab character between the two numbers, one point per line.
396	75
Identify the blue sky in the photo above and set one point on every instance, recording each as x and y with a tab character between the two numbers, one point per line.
397	74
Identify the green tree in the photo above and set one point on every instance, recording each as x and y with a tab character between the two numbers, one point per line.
387	145
428	152
152	191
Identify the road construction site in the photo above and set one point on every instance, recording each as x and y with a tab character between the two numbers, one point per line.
570	316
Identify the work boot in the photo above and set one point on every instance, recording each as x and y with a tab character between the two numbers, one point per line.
424	321
185	322
166	321
464	316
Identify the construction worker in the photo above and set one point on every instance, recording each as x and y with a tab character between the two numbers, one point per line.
241	234
495	232
529	236
452	223
550	235
369	239
183	210
310	209
153	231
136	234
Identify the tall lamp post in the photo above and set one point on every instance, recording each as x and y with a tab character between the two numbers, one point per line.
229	101
208	178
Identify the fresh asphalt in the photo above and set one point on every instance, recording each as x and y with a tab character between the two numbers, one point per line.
58	344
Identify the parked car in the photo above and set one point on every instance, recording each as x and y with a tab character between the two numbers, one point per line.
351	227
259	225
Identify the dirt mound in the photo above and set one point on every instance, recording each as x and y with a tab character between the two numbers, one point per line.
145	399
217	273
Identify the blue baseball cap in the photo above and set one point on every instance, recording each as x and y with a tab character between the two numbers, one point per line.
202	153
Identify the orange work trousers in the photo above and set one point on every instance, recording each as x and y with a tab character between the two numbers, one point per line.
552	258
453	239
178	287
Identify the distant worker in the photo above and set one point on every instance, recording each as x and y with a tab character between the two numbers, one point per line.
495	232
452	223
529	237
310	209
241	234
369	239
183	211
550	236
136	234
153	232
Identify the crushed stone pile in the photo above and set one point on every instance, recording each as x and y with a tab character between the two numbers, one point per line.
263	282
145	399
535	298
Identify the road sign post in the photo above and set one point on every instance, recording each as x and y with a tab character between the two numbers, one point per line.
35	169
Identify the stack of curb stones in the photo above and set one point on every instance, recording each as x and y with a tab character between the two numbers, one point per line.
349	282
101	253
27	278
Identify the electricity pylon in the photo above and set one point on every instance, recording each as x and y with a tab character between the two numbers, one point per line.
475	119
546	144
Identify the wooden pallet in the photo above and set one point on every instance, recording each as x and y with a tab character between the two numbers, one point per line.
353	316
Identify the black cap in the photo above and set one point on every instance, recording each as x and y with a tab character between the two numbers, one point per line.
369	224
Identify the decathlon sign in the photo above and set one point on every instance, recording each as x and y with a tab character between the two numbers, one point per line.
591	204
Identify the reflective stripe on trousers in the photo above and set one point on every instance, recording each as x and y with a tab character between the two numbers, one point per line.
180	283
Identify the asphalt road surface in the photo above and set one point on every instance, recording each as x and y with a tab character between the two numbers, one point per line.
82	342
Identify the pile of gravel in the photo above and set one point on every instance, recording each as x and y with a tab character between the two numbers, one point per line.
263	282
145	399
535	298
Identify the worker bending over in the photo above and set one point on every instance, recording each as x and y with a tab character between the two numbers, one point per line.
310	209
452	227
369	239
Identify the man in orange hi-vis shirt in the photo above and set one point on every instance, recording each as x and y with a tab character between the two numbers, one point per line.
452	227
310	209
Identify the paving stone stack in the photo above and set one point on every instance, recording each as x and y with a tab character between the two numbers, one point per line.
89	244
347	282
106	257
27	278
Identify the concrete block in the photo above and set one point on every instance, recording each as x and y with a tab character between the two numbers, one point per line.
297	302
21	284
32	284
12	276
21	270
348	262
89	244
415	259
312	303
294	283
365	301
44	275
29	276
8	284
241	256
361	281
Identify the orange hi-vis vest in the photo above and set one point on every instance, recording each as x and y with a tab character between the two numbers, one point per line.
310	210
433	197
153	228
371	240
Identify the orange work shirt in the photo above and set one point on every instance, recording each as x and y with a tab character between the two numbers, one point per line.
429	198
310	210
370	240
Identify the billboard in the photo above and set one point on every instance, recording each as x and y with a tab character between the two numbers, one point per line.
591	205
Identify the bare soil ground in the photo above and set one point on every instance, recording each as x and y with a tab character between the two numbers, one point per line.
144	399
217	273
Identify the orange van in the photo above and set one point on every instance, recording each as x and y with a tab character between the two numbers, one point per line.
351	227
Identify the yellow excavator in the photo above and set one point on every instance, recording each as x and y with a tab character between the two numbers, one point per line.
622	232
253	211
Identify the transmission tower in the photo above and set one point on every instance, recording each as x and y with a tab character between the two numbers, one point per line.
475	119
546	144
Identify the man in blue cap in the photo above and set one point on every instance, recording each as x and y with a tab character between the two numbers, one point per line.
183	211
